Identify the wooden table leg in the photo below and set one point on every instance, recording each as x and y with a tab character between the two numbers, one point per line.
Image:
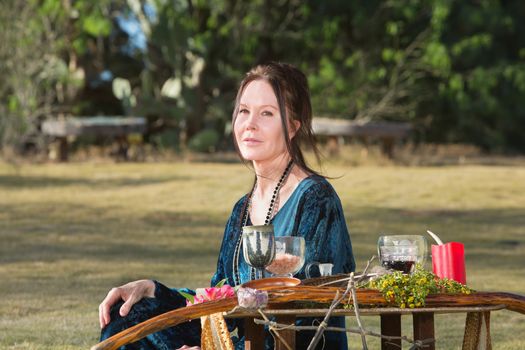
477	331
391	325
253	335
423	323
288	335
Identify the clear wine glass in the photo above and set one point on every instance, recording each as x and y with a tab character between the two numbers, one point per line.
258	246
289	256
402	252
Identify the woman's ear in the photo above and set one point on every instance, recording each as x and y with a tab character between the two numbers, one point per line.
293	127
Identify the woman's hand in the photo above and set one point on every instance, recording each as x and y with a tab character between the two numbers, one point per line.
130	293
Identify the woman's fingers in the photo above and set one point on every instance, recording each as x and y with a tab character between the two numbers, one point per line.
113	297
133	298
131	293
101	320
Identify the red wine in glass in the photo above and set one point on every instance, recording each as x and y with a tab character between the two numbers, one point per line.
399	265
401	252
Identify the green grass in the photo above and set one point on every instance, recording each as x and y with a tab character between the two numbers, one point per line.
70	232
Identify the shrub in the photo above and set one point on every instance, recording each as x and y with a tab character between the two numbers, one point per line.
204	141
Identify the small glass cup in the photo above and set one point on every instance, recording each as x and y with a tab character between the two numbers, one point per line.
402	252
258	246
325	269
289	256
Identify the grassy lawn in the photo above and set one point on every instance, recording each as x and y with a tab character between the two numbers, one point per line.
70	232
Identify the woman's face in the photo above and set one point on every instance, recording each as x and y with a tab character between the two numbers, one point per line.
258	129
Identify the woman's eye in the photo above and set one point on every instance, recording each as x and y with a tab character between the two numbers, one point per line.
243	110
267	113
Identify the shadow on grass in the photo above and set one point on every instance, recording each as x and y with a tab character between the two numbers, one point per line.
122	251
406	220
182	219
492	237
34	232
20	182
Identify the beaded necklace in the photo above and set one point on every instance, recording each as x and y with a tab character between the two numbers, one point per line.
244	221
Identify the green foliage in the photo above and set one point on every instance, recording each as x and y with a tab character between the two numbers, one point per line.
221	283
436	56
168	139
410	290
443	65
29	69
187	296
454	69
204	141
96	25
39	67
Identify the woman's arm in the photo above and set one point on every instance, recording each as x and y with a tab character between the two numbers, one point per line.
220	272
320	220
224	270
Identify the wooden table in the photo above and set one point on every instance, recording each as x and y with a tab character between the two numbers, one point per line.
285	305
423	323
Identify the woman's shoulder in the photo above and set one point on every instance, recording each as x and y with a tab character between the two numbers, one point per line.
237	207
240	201
317	192
317	185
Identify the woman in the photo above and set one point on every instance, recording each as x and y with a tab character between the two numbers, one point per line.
272	118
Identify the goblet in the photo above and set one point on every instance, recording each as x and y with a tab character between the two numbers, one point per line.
289	256
402	252
258	246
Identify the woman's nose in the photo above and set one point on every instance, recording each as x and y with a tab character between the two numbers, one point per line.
251	122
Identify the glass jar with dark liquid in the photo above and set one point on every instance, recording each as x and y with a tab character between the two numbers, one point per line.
401	252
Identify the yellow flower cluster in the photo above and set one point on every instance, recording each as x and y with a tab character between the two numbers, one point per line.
410	290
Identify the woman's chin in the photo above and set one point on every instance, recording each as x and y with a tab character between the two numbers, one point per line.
259	157
252	156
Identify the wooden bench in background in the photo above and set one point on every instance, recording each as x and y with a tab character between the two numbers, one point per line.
115	127
119	128
388	133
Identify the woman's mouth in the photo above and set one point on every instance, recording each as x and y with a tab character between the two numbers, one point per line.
251	141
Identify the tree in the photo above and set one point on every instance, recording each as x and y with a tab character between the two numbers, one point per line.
452	68
42	75
32	73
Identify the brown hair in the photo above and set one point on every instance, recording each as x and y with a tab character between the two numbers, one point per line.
293	96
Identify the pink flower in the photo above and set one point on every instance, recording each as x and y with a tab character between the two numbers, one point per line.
213	293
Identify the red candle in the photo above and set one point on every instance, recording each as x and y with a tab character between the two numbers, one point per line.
448	261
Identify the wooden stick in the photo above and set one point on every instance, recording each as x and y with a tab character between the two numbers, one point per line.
417	343
321	328
275	331
357	315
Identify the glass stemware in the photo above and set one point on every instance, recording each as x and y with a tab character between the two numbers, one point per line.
258	247
289	256
402	252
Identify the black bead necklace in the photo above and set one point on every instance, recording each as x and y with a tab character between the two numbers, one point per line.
283	178
269	217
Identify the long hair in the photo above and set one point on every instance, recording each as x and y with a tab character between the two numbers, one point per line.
293	97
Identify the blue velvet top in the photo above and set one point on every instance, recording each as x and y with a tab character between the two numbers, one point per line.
314	212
